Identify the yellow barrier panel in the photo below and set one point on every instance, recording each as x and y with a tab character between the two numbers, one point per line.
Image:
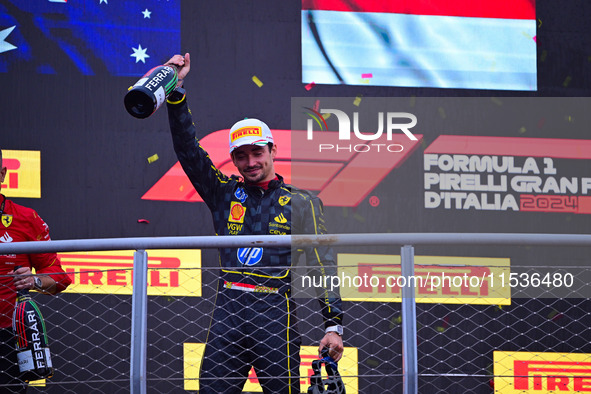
528	372
193	354
170	272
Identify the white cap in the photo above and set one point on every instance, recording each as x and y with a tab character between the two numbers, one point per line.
249	132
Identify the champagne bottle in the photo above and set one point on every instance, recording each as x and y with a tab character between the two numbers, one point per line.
34	358
150	91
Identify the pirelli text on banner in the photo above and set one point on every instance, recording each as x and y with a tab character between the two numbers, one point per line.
437	279
23	175
170	272
507	174
542	372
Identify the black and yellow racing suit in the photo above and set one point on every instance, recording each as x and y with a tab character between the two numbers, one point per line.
253	319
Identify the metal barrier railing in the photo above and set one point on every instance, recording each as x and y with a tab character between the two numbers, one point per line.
406	241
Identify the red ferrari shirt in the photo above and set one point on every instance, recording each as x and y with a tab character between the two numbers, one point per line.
20	224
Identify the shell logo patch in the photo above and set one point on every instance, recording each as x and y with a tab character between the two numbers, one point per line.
237	212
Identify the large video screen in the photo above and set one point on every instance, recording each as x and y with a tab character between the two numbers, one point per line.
420	43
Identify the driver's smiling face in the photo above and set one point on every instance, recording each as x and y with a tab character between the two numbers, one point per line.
255	163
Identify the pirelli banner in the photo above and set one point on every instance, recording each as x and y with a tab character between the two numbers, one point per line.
437	279
348	368
170	272
528	372
23	173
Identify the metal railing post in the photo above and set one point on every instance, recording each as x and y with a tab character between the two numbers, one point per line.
139	323
409	322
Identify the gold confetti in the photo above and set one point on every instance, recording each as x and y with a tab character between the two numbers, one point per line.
153	158
359	218
567	81
357	100
496	101
395	321
413	100
544	54
522	130
441	112
372	363
326	115
364	80
257	81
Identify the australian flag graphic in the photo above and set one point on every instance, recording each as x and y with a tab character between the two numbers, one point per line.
95	37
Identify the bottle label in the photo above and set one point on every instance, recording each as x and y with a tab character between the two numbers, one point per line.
160	95
141	82
160	77
48	358
25	361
